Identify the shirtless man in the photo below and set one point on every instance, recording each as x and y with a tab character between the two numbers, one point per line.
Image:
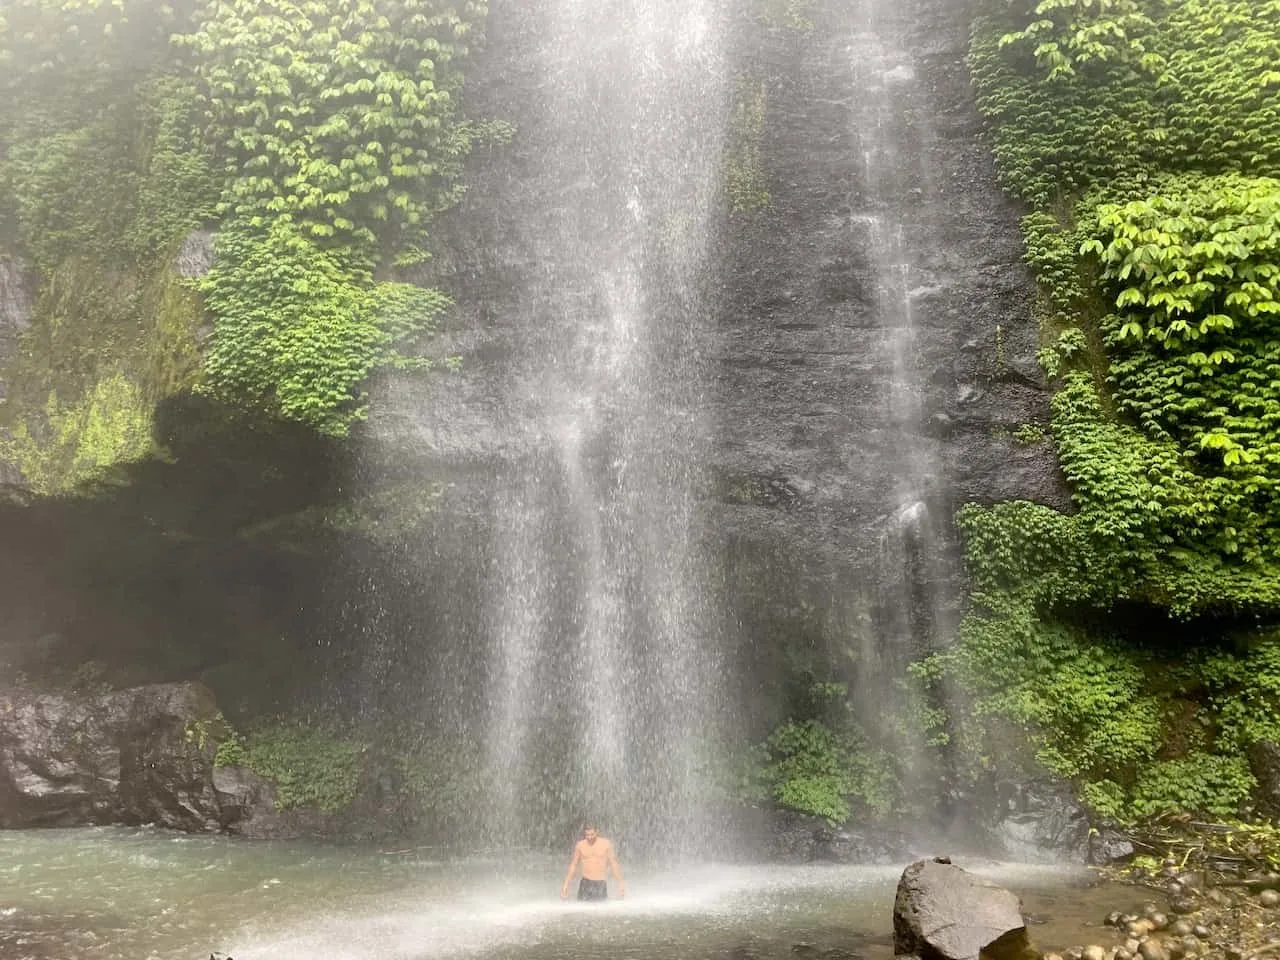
596	855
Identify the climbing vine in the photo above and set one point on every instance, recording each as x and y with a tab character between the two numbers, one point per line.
337	125
1145	138
319	138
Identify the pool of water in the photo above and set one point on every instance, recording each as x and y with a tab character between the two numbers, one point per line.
141	894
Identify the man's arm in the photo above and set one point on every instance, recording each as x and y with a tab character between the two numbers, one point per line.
573	865
617	871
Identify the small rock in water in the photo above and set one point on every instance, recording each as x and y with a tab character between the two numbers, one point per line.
1153	950
1074	953
1094	952
1183	905
1113	918
1201	931
1191	944
1269	898
1051	956
1158	920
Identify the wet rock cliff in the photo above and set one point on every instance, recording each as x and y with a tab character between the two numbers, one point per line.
865	337
862	344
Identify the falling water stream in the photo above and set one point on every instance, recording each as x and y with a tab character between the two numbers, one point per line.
602	637
895	219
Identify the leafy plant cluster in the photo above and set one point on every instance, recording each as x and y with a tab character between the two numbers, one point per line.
309	765
446	785
338	128
321	138
1145	138
821	762
1122	91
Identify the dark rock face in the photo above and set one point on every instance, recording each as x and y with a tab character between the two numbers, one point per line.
195	257
804	389
1264	762
785	836
131	757
1043	822
146	756
942	912
811	503
15	297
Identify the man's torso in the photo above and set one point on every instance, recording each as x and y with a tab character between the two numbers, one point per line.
594	857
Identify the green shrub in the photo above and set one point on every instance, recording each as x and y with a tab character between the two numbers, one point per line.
1203	784
310	766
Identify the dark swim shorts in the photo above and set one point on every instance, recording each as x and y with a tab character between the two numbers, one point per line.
593	890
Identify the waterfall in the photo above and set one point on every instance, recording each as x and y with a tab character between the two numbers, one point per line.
601	637
896	220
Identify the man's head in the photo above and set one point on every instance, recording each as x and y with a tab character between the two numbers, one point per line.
589	831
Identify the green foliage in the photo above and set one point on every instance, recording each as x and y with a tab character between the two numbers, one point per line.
311	766
1143	135
1029	434
446	783
1195	276
339	115
1199	783
1192	90
1066	37
325	135
824	765
231	752
77	442
99	159
177	186
337	125
1081	701
308	328
102	352
814	769
1243	687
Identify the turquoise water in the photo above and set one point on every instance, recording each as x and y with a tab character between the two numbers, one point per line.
142	894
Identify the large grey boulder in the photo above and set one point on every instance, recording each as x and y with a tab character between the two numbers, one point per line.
942	912
1043	822
133	756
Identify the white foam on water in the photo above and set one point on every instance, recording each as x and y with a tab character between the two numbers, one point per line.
477	920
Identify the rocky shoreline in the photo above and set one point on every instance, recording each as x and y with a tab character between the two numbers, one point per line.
1188	913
